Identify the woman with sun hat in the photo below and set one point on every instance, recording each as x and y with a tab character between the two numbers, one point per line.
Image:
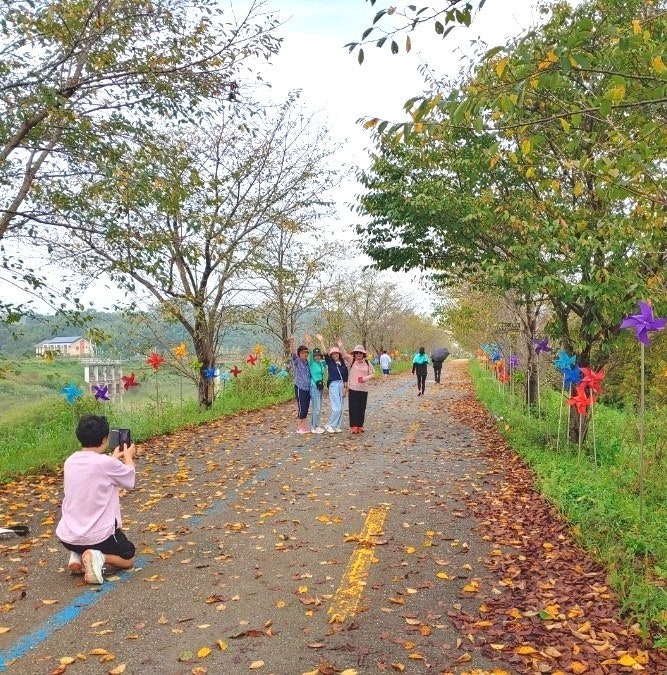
360	371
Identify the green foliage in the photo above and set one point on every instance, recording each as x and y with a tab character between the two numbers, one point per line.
600	501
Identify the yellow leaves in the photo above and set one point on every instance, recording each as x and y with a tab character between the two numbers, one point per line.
444	575
255	665
658	64
615	93
203	652
329	519
471	587
410	549
501	65
578	667
526	146
280	604
98	651
222	645
118	670
49	602
66	660
4	629
302	589
369	124
398	667
578	188
525	650
636	26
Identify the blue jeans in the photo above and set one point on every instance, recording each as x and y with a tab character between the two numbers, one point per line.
316	400
336	402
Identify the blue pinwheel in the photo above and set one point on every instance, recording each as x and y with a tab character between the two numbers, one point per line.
564	361
571	376
542	345
209	373
226	376
71	392
283	373
101	392
273	369
496	356
643	322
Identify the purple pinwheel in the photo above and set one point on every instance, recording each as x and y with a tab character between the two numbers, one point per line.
542	345
101	392
564	361
514	362
209	373
571	376
71	392
643	322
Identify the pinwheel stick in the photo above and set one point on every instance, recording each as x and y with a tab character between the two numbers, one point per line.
641	437
560	412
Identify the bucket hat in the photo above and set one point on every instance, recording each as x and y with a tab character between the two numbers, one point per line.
334	350
359	348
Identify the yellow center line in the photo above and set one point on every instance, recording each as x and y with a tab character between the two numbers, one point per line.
346	599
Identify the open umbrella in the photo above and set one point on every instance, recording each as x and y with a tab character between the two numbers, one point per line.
439	354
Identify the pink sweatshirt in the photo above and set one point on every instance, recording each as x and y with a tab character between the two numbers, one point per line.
357	369
91	507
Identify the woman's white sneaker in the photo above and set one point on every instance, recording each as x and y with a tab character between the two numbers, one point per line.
75	566
93	563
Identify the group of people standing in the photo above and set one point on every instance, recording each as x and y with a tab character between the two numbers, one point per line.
343	374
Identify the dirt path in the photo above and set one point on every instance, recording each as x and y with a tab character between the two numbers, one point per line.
418	546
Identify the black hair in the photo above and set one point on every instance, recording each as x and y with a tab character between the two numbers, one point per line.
422	350
302	348
92	430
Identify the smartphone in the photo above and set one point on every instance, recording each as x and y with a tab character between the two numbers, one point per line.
119	437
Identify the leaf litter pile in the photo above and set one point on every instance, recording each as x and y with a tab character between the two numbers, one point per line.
550	609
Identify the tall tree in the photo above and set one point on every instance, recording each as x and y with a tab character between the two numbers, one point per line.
85	79
185	218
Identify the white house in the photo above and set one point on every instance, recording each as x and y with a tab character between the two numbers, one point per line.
76	346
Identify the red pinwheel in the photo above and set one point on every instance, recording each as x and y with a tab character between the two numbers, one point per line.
235	371
129	381
252	359
592	380
503	376
155	361
580	400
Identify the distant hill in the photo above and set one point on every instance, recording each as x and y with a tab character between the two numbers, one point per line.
125	339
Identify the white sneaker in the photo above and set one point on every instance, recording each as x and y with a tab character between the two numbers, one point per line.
75	566
338	430
317	430
329	428
93	562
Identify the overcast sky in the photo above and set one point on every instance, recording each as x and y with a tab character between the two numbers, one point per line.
340	91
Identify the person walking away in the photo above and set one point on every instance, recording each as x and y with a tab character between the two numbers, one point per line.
385	363
337	386
360	372
91	526
318	371
301	369
419	366
438	355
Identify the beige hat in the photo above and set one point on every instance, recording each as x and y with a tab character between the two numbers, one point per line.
334	350
360	348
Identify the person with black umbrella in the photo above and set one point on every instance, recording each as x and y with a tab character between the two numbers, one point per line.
438	355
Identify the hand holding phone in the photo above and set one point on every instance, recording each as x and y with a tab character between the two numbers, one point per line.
119	438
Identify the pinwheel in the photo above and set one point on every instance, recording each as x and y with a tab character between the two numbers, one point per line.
259	350
642	324
71	392
225	377
571	378
180	351
503	376
542	345
273	369
129	381
592	380
209	373
283	373
251	359
235	371
155	361
564	361
101	392
514	362
581	400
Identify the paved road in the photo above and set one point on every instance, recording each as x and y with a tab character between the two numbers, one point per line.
262	550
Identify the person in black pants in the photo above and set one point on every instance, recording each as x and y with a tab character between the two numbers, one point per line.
438	356
419	366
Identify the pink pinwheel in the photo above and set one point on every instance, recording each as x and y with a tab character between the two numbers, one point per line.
643	322
129	381
155	361
592	380
252	359
101	392
580	400
235	371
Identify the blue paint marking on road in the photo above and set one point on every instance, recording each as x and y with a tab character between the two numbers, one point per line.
90	597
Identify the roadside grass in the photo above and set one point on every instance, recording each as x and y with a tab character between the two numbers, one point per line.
39	434
601	502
